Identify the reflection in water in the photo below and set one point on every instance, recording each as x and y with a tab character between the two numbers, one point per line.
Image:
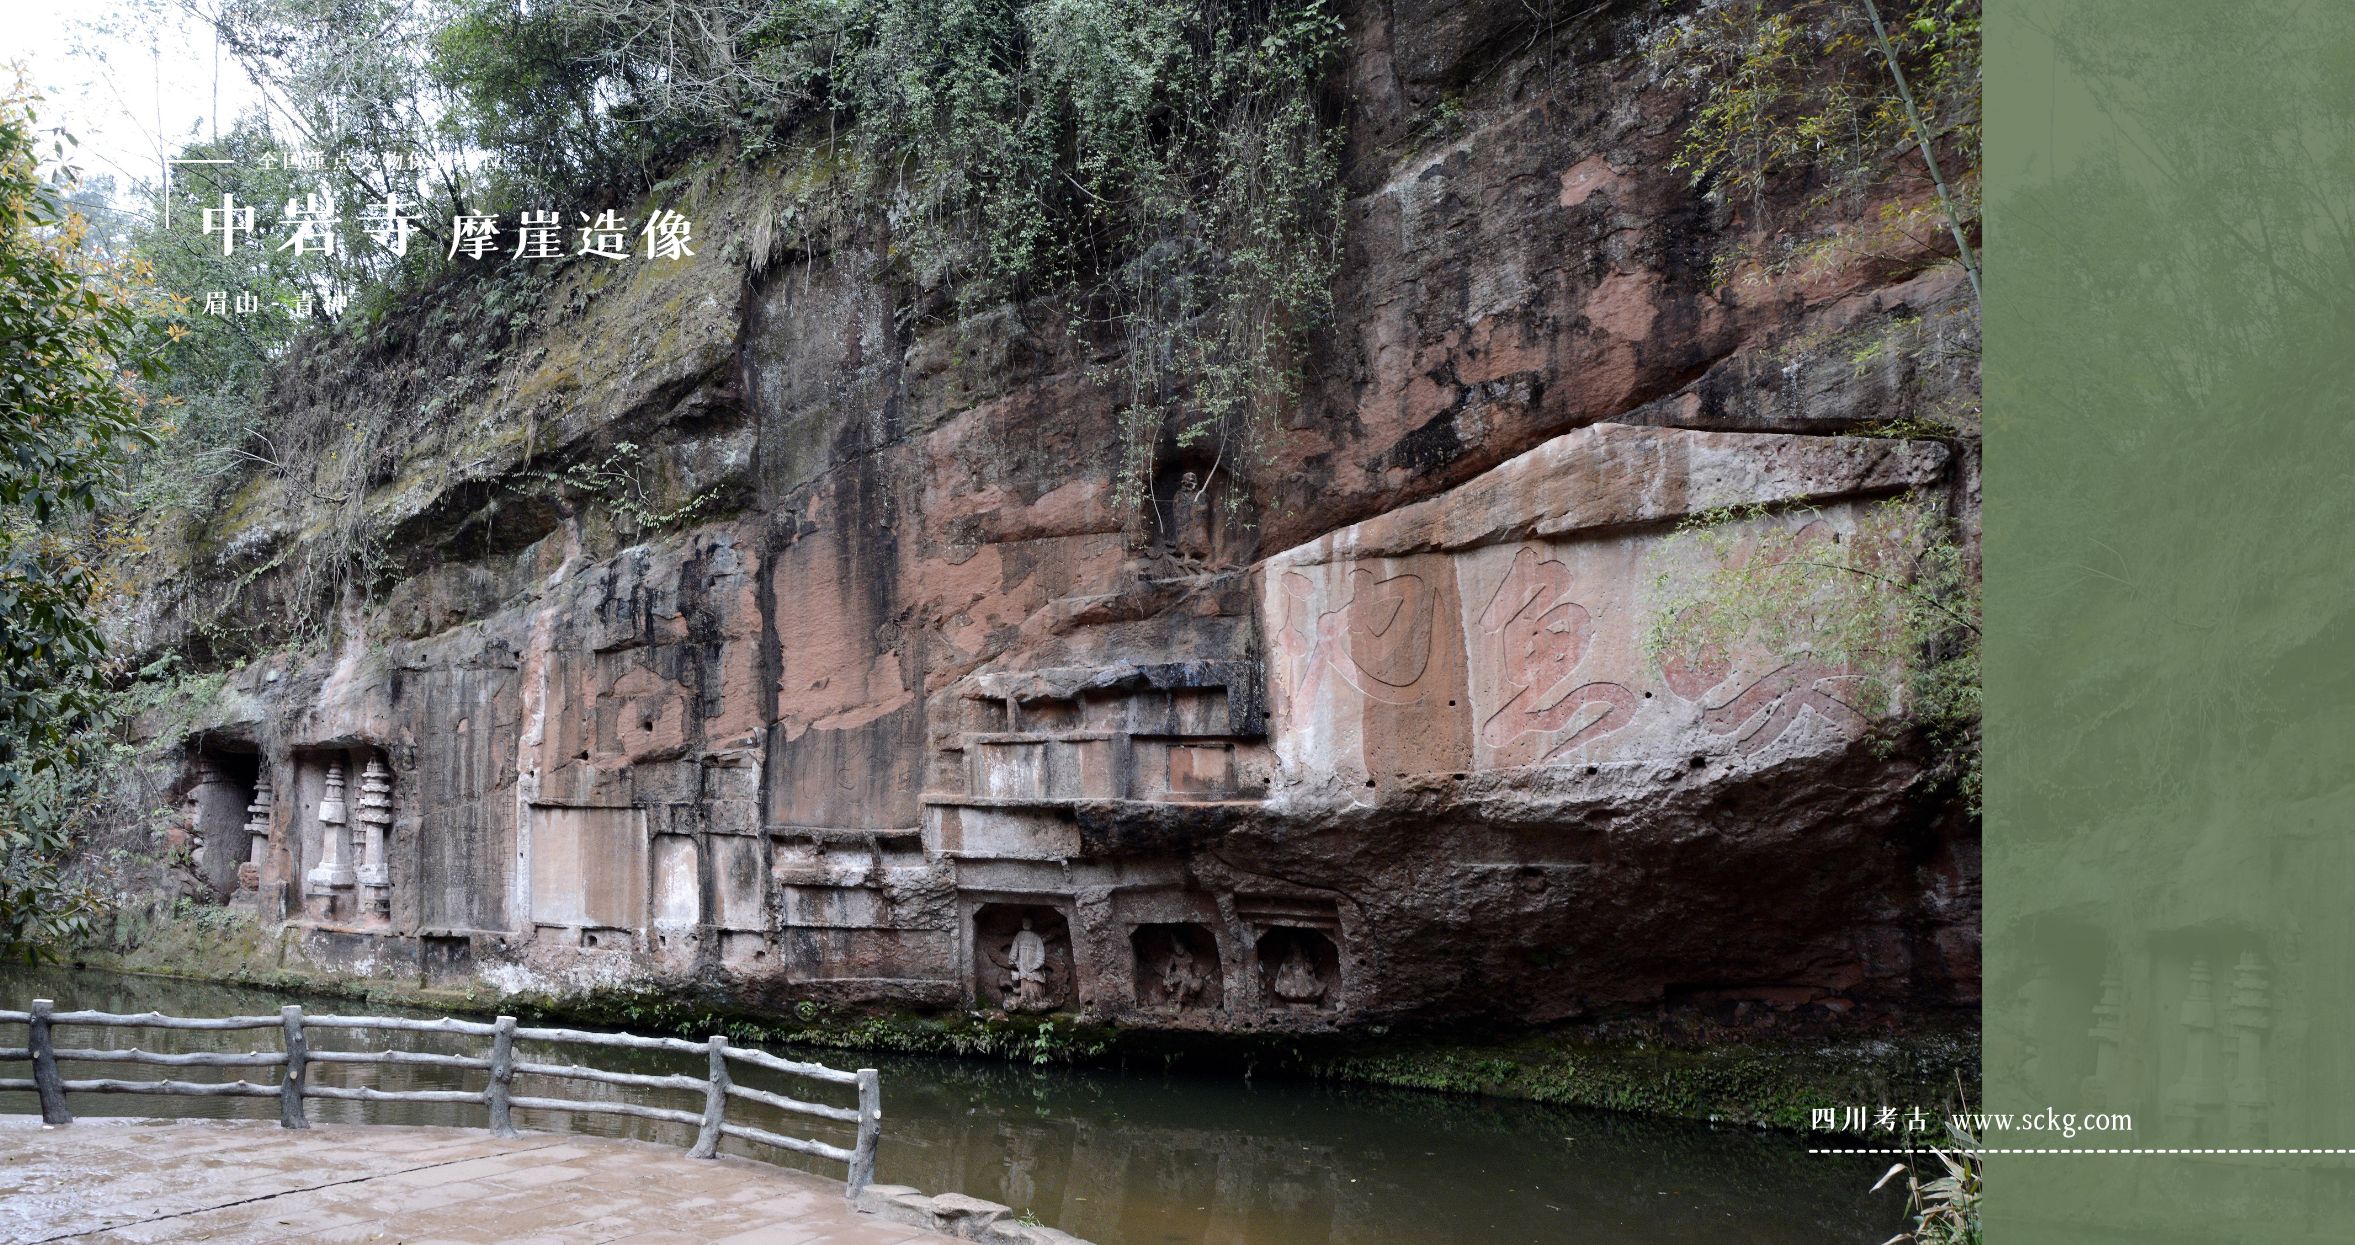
1118	1158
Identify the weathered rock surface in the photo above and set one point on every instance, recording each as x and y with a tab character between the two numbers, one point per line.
905	708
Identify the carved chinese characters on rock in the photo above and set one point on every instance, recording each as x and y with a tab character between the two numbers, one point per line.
1378	642
1540	636
1753	711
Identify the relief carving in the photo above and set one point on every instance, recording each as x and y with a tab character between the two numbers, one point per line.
1542	635
1299	968
257	831
1177	966
1781	695
1378	643
1025	957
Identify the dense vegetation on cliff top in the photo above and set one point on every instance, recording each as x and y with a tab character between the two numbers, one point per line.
1164	174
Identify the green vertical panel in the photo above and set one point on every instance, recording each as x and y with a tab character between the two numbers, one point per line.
2170	571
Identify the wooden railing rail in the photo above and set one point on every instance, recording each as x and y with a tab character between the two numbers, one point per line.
499	1062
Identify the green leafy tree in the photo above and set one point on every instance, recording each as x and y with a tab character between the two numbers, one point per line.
73	342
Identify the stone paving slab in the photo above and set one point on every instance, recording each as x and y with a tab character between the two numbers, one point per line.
250	1181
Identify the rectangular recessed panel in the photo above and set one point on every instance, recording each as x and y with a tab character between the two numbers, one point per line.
588	866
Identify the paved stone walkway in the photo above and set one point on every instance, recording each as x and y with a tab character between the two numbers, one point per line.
117	1180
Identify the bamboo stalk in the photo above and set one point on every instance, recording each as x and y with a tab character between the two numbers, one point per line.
1921	138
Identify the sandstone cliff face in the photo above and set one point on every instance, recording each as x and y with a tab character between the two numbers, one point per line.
906	709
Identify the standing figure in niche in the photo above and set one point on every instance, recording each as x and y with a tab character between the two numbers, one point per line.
1026	975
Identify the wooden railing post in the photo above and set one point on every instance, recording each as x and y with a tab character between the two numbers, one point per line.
715	1103
862	1156
45	1079
298	1058
502	1077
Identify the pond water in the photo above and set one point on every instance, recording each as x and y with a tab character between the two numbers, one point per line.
1121	1158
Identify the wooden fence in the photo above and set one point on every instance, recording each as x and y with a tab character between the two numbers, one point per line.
293	1085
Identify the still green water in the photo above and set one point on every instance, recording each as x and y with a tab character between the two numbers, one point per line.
1121	1158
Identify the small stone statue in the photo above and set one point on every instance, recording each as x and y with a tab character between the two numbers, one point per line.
1026	974
1182	979
1297	982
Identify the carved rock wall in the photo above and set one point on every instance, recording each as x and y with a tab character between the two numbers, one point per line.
918	715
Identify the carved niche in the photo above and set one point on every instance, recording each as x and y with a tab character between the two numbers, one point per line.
1022	957
1299	969
1178	967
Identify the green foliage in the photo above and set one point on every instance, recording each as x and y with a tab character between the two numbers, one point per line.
617	482
1892	607
1163	174
215	366
1793	89
1802	95
74	345
1163	169
1945	1207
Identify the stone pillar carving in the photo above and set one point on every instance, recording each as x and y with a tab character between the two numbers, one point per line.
2108	1019
257	830
2247	1114
2199	1092
375	819
333	875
